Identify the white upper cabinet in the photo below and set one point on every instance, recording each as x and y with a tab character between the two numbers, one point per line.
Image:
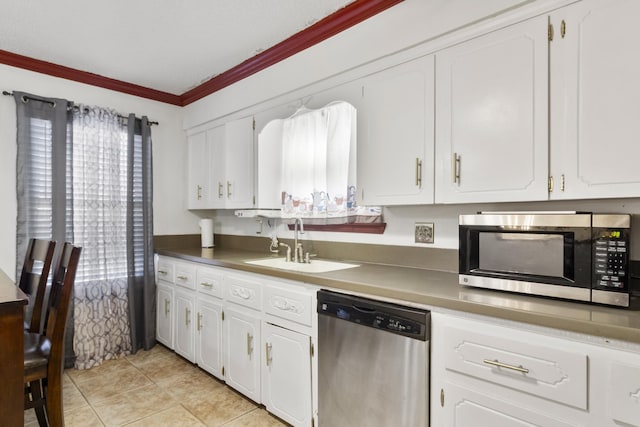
491	116
221	166
198	186
395	135
595	126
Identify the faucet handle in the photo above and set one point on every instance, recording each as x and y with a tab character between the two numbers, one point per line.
288	251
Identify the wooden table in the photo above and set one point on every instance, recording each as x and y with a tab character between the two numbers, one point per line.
12	302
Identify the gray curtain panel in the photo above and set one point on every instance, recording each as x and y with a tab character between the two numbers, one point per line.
43	188
141	274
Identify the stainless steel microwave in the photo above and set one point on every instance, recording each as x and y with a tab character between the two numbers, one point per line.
569	255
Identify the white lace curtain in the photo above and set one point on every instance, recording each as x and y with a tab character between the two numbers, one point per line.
101	321
318	161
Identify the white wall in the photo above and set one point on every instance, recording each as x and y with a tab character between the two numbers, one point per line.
169	153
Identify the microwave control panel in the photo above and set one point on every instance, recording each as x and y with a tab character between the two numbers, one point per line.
611	258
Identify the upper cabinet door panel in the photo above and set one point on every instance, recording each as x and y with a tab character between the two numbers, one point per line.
198	177
595	126
238	185
395	135
491	116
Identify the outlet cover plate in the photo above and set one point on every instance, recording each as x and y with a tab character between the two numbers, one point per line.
424	232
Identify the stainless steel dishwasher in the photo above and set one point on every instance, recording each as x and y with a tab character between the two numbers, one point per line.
373	363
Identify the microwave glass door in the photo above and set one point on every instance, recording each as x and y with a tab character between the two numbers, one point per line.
523	253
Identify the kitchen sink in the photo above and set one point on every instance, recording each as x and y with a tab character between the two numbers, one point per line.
315	266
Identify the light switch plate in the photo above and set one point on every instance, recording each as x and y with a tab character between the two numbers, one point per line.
424	232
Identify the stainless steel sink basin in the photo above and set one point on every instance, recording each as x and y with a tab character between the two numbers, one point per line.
315	266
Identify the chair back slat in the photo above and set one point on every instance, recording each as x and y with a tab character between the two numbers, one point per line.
34	276
60	296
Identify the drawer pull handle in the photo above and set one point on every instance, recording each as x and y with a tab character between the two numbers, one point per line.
182	277
206	285
506	366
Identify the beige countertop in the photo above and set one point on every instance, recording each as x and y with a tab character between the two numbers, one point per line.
441	289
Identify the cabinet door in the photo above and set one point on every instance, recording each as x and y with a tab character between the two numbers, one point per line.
286	374
463	407
242	351
595	89
395	135
198	179
217	166
209	336
164	315
492	116
184	329
239	163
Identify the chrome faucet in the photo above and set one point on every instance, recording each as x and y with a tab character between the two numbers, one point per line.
297	247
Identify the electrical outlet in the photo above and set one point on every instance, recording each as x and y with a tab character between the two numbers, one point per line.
424	232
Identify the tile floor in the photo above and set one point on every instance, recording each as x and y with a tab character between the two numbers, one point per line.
154	388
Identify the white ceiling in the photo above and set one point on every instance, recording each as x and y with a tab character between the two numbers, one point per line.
167	45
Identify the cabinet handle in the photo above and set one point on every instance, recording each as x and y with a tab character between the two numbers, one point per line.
219	190
199	323
199	192
267	348
550	185
187	315
164	273
498	364
166	307
442	397
562	182
228	189
249	346
418	172
563	28
182	278
456	168
206	285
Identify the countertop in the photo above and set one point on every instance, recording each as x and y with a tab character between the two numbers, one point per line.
438	289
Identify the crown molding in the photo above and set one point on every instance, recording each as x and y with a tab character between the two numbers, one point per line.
55	70
348	16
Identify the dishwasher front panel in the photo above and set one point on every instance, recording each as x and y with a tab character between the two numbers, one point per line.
370	377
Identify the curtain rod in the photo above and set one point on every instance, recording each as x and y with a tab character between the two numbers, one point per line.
53	104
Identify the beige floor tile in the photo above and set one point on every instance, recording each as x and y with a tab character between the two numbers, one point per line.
256	418
196	383
176	416
107	367
81	417
145	356
220	407
72	397
167	369
133	405
112	383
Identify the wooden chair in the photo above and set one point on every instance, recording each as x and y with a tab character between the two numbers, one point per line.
44	352
33	280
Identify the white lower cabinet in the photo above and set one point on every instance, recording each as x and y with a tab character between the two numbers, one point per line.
486	373
251	331
242	351
286	374
164	314
185	344
209	335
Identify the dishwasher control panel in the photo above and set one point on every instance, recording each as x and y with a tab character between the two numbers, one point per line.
389	317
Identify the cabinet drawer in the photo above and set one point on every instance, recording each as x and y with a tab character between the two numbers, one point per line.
243	290
185	275
210	281
288	302
166	270
524	361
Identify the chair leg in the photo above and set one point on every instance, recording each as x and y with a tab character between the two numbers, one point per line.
37	401
53	398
